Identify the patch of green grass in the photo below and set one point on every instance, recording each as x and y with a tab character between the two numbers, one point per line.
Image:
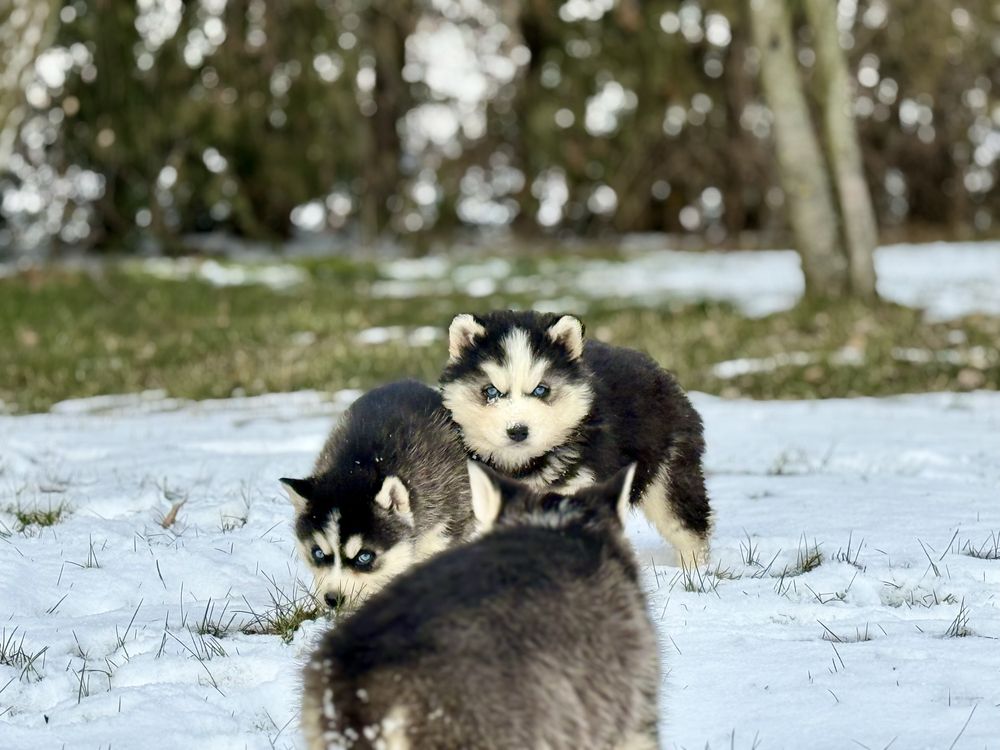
807	557
285	614
40	517
698	580
70	334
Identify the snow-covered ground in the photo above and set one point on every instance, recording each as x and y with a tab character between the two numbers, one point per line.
894	493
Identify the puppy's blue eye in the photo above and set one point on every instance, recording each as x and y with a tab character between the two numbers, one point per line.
491	392
318	555
541	391
365	558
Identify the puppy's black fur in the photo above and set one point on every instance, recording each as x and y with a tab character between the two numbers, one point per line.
534	635
400	436
639	413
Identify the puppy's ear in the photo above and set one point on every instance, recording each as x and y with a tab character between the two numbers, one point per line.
617	492
568	333
462	334
299	492
395	497
486	494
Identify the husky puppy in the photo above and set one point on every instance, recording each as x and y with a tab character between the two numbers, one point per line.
538	403
536	635
389	489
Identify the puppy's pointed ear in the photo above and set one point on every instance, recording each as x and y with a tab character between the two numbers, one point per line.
395	497
486	495
568	333
617	491
299	492
462	334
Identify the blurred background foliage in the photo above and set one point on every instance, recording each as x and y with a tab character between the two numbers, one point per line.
146	124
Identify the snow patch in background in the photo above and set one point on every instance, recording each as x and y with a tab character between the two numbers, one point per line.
758	283
947	280
278	276
419	336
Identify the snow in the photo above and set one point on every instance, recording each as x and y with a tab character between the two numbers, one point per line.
732	368
278	276
419	336
891	491
947	280
758	283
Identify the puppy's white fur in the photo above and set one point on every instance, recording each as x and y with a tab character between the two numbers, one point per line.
298	502
340	580
691	550
568	331
462	334
550	421
395	497
486	498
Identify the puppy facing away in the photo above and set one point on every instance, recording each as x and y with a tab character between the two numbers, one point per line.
536	635
389	489
537	402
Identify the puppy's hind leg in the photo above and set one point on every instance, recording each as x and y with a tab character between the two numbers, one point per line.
646	738
638	742
677	504
394	730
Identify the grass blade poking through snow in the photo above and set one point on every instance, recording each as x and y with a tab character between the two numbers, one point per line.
959	627
285	614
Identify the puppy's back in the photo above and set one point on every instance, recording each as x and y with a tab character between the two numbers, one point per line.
526	638
402	429
381	422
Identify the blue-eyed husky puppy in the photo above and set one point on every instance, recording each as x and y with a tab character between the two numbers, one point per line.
536	635
538	403
389	489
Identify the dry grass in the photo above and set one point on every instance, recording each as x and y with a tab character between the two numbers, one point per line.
14	654
285	614
77	334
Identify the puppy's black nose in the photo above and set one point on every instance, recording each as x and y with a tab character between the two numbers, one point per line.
335	601
518	433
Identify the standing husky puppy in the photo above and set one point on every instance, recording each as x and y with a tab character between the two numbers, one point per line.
388	490
536	402
534	636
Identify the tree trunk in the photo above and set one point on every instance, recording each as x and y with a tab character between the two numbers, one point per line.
856	210
25	30
391	22
532	21
744	173
811	211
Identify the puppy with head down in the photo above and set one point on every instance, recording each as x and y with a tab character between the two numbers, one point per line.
389	489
